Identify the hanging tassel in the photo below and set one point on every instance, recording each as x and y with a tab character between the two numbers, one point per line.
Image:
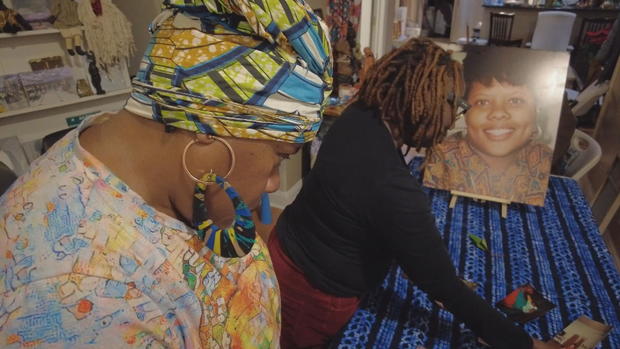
265	209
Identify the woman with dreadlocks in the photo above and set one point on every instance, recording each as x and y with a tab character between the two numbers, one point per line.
360	209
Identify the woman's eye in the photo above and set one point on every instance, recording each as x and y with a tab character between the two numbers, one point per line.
284	156
481	102
516	101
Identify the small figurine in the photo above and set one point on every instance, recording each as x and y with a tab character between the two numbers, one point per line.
346	59
67	21
95	77
369	61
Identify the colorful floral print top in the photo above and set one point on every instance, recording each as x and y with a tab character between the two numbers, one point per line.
455	165
85	262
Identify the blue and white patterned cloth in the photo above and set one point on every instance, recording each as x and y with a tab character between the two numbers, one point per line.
556	248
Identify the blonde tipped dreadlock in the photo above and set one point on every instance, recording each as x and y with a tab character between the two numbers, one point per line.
410	87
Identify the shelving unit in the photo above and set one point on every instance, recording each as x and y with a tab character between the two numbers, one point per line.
30	124
26	33
63	104
29	33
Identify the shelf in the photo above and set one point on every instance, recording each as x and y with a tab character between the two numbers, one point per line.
26	33
29	33
12	113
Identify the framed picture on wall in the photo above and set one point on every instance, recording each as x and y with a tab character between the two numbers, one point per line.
503	145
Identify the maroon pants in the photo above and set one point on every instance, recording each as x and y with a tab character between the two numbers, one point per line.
310	317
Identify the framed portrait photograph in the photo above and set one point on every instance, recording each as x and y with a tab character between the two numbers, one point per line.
502	145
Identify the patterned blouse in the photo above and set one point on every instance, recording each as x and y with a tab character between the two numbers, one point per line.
454	165
86	262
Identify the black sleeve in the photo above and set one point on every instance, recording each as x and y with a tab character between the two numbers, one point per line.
401	214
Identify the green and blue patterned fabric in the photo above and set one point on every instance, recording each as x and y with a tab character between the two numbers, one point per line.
258	69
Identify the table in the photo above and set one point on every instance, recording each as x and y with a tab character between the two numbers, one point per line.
556	248
472	41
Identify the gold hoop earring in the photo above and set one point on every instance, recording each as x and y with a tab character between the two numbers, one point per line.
229	242
211	176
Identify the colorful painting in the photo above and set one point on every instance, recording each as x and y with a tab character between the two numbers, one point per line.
524	304
502	147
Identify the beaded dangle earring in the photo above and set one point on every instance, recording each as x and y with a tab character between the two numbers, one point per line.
234	241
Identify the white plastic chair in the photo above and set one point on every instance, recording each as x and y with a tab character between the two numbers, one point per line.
553	30
588	97
585	154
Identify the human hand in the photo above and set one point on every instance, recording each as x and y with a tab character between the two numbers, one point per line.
550	345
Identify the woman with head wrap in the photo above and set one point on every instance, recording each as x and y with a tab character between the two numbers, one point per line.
359	208
113	238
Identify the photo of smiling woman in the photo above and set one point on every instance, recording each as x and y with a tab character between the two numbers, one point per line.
504	146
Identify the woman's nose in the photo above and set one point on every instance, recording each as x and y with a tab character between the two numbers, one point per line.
273	182
498	112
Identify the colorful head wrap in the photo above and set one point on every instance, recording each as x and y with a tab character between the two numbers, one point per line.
256	69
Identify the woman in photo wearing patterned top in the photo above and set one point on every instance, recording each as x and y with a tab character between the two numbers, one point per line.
501	153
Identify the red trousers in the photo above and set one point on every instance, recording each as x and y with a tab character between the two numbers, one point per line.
310	317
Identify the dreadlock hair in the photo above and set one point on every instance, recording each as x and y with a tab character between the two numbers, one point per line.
410	87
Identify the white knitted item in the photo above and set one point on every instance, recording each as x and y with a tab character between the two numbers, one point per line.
109	36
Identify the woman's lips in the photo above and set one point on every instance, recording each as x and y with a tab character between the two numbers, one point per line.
498	134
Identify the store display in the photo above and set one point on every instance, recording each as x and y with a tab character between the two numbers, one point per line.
12	95
48	86
347	60
11	21
46	63
35	12
108	32
66	20
344	15
54	93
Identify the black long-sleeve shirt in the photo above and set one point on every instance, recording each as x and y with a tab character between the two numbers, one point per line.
360	209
